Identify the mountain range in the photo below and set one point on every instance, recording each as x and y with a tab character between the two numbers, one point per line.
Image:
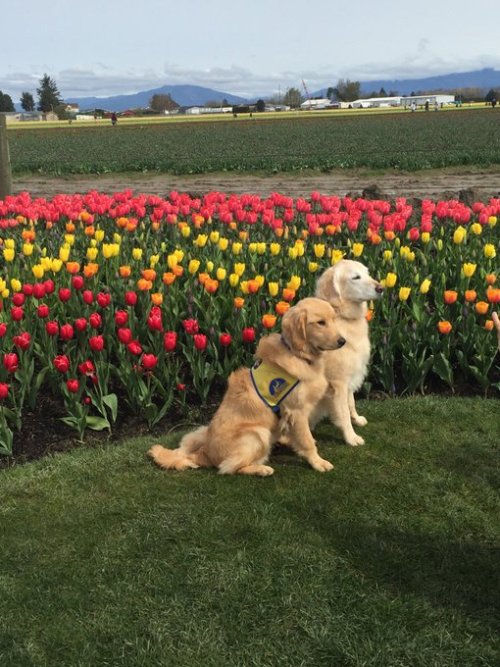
187	95
184	95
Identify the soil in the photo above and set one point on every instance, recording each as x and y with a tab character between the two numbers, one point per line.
43	432
463	183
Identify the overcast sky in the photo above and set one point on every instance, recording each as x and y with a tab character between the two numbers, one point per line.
248	48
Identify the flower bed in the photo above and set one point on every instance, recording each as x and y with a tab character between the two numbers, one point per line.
158	300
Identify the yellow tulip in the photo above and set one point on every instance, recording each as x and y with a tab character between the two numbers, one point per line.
214	237
337	255
201	240
221	273
294	283
27	249
16	285
404	293
153	261
273	288
56	265
469	269
390	280
489	251
259	280
292	253
3	285
209	266
261	248
137	254
223	243
313	267
234	279
186	231
459	235
179	254
319	250
476	229
492	220
193	266
9	254
9	243
275	248
387	255
426	237
5	294
107	250
99	235
357	249
64	253
92	253
425	286
239	269
69	239
236	248
252	248
37	271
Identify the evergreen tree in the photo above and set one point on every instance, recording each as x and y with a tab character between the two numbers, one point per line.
49	96
292	98
6	103
27	102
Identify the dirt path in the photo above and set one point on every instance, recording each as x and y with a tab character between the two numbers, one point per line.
435	184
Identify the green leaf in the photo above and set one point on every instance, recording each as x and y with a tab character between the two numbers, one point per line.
97	423
111	400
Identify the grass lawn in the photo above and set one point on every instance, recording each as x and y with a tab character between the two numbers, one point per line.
392	559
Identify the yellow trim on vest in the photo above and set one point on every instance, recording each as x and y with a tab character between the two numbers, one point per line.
272	383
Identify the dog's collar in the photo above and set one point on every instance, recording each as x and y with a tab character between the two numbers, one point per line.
272	383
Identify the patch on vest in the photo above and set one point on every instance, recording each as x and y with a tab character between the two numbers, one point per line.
272	383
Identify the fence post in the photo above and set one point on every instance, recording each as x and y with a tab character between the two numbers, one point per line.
5	169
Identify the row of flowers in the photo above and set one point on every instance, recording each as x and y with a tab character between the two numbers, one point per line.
114	301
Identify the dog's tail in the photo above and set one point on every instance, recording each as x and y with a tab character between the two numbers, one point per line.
189	454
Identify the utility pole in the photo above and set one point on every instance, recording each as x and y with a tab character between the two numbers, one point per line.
5	169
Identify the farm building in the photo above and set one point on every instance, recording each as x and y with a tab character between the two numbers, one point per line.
196	111
376	102
320	103
420	100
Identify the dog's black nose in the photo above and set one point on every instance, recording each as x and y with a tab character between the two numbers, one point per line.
379	289
341	341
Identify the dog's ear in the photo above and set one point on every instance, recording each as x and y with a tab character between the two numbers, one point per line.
294	328
327	287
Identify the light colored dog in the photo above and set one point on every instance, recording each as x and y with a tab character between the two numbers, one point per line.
244	427
496	321
347	286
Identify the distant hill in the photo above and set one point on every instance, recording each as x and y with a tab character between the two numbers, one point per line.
485	79
183	95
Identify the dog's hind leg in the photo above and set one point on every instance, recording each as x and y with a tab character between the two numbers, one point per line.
359	420
251	451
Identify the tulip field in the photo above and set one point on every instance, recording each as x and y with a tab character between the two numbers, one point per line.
137	304
391	141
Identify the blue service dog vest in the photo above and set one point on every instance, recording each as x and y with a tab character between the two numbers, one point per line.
272	383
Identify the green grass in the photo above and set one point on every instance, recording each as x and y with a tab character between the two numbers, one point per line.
389	560
305	141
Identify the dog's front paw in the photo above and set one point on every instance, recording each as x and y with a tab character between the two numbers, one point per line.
321	465
359	420
355	440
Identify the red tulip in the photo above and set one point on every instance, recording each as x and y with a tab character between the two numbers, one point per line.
18	299
64	294
88	297
149	361
3	329
66	332
16	313
121	318
154	322
96	343
10	362
28	289
95	320
39	290
73	386
77	282
86	367
134	347
124	335
190	326
61	363
4	390
42	310
170	341
200	341
130	298
81	324
52	328
49	286
248	335
22	341
225	339
104	299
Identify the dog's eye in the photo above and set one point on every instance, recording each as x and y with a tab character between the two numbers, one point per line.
321	323
356	277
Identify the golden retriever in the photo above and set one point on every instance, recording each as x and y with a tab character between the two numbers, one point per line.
243	429
347	286
496	322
